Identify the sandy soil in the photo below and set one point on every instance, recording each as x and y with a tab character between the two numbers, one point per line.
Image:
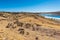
28	27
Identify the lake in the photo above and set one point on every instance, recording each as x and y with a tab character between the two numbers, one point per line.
54	16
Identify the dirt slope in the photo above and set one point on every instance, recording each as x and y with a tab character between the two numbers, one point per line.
27	27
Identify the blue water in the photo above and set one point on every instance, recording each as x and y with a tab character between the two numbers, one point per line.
51	15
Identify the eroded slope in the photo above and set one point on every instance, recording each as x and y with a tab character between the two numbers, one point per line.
27	27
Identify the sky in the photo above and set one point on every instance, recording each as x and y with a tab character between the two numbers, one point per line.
29	5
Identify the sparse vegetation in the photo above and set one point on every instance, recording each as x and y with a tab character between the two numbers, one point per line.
28	26
21	31
36	38
8	26
27	33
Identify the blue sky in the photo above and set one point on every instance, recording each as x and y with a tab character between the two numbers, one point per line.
29	5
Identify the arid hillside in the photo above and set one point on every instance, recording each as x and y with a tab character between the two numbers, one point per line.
27	26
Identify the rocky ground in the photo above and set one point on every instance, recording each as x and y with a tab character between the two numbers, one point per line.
24	26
